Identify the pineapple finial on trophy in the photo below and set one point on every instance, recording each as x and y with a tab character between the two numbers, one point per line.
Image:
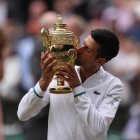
59	20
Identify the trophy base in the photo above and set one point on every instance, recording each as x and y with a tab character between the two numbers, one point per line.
60	90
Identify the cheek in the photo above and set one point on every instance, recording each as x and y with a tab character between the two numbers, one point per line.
90	59
87	57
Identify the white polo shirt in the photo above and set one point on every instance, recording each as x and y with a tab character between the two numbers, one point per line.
86	116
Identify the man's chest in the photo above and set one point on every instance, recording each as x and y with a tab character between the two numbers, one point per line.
96	93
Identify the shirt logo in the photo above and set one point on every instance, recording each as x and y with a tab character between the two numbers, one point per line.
96	92
111	96
112	104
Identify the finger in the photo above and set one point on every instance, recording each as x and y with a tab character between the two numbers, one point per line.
43	57
65	74
52	64
47	61
71	67
42	53
55	70
66	69
63	78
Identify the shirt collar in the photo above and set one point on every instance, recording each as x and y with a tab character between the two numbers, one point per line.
101	71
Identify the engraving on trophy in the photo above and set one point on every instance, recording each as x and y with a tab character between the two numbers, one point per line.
65	40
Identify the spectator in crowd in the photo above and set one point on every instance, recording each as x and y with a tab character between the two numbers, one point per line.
3	12
63	7
78	25
36	8
36	128
118	17
25	46
132	128
2	44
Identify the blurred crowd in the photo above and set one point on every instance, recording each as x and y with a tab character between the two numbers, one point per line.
21	45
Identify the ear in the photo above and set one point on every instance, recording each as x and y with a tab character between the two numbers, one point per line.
101	61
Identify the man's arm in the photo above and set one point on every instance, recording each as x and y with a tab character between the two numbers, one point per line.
98	120
32	103
37	97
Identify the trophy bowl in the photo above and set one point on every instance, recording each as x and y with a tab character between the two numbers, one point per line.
62	45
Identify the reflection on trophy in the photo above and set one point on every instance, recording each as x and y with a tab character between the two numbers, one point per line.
62	45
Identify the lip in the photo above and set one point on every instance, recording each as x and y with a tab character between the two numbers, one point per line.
78	55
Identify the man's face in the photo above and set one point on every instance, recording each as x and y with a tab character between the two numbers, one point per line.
87	53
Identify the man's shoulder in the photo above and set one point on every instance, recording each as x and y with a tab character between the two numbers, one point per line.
112	78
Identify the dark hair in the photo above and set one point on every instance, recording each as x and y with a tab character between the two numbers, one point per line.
108	41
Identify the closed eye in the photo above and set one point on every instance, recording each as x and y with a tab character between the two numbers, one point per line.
87	49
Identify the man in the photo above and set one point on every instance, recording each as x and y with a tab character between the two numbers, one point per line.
87	112
2	59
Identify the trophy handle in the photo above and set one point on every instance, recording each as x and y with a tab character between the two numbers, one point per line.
45	35
72	53
77	41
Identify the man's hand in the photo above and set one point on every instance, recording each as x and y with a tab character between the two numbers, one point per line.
69	75
47	73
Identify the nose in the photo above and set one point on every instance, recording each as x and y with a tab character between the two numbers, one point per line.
81	49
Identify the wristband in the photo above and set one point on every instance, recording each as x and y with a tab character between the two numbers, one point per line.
79	94
36	93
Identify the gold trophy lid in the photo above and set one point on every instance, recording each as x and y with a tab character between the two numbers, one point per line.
60	24
60	28
60	35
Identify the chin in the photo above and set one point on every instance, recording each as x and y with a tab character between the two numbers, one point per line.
78	63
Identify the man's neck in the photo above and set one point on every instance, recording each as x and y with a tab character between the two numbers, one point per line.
85	73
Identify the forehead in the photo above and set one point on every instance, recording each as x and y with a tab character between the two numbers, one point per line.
91	43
